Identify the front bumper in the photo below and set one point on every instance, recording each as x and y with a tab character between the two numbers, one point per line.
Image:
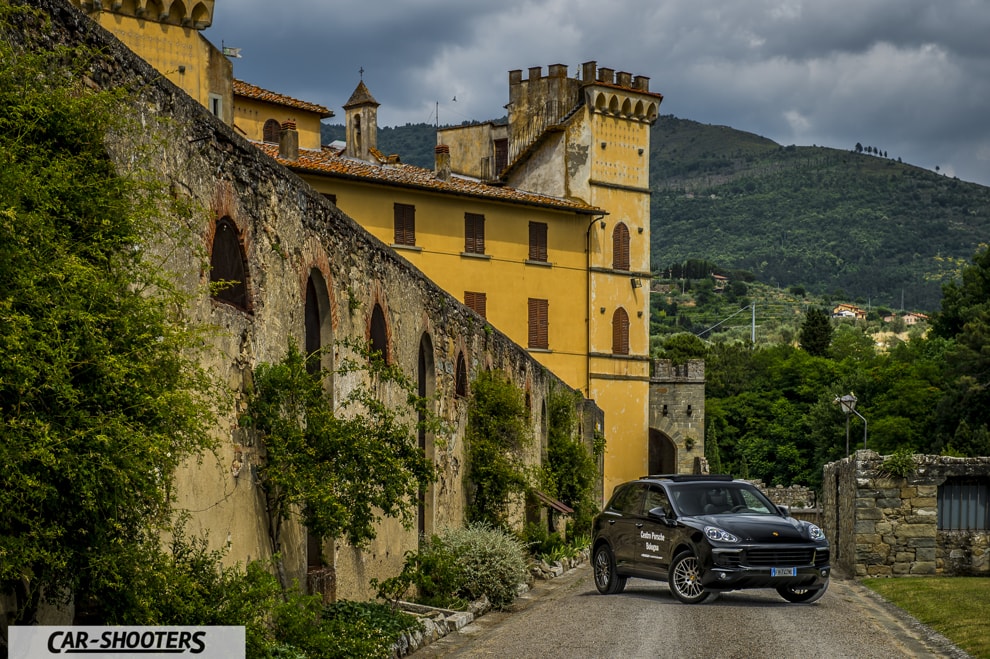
749	567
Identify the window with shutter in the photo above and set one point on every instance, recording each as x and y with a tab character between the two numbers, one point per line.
477	302
271	131
537	241
620	247
405	224
620	332
501	155
539	324
474	233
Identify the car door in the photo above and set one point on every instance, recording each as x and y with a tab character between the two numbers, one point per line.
654	534
624	515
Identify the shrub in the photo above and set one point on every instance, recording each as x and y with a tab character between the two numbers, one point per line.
493	561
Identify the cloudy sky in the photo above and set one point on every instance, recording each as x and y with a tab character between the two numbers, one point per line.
910	77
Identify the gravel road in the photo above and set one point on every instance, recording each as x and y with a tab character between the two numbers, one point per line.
566	617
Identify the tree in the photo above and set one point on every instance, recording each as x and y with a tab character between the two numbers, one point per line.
816	333
100	399
339	473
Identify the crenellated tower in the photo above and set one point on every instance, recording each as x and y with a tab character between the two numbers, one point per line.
174	47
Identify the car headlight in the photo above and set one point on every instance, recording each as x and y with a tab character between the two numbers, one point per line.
719	535
815	532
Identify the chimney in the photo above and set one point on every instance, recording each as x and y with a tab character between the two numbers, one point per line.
443	162
288	141
588	71
623	79
642	83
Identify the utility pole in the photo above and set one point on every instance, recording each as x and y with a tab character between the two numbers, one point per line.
752	333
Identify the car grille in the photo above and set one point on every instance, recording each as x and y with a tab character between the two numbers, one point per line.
821	558
779	557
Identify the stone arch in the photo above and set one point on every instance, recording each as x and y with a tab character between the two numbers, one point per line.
460	376
639	109
613	104
201	16
601	102
651	112
426	384
627	107
662	454
229	273
378	333
318	325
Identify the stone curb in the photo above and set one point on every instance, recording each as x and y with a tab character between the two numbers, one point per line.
436	623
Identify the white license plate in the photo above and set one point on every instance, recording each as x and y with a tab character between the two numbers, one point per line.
783	571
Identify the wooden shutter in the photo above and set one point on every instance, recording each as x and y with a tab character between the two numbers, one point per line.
620	247
477	302
405	224
271	131
474	233
538	324
620	332
537	241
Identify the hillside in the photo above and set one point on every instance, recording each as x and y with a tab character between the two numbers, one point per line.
852	225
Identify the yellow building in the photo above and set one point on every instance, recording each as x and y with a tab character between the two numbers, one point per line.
540	224
174	46
588	139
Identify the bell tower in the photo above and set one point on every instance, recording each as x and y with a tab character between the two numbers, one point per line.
361	119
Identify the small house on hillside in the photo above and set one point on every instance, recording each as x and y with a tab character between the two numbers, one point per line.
848	311
720	282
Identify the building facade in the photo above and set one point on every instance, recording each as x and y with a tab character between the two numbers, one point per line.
540	224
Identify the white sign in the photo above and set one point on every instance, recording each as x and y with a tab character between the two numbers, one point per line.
40	642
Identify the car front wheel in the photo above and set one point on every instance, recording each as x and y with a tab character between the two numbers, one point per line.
685	579
802	595
607	581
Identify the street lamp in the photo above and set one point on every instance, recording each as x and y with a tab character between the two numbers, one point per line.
848	405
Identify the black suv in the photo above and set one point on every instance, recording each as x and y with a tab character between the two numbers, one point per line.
705	535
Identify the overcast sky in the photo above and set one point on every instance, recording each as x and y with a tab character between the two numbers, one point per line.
910	77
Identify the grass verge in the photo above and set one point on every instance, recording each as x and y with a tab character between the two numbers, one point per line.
956	607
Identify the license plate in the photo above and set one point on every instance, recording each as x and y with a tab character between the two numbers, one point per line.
783	571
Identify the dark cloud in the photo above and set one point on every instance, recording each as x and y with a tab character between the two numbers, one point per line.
911	77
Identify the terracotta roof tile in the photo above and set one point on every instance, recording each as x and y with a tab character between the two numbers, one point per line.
247	90
327	161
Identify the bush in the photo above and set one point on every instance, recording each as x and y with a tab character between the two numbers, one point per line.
494	562
460	565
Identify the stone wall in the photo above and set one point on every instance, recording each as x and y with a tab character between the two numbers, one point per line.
677	409
885	525
291	236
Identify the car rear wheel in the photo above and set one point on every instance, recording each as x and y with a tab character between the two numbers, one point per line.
685	579
607	581
802	595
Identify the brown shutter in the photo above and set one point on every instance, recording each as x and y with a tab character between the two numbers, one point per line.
537	241
620	332
477	302
538	324
474	233
620	247
405	224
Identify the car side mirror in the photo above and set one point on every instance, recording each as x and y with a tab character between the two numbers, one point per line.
659	513
784	510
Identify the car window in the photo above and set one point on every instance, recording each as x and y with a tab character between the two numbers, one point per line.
754	503
629	500
655	497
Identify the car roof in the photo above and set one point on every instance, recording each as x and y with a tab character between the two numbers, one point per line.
682	478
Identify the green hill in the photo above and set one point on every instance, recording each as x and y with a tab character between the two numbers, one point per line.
849	224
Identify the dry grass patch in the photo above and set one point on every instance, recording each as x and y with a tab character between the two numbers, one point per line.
956	607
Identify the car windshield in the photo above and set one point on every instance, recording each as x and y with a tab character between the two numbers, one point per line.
692	499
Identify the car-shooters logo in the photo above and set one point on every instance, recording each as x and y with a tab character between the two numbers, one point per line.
118	642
